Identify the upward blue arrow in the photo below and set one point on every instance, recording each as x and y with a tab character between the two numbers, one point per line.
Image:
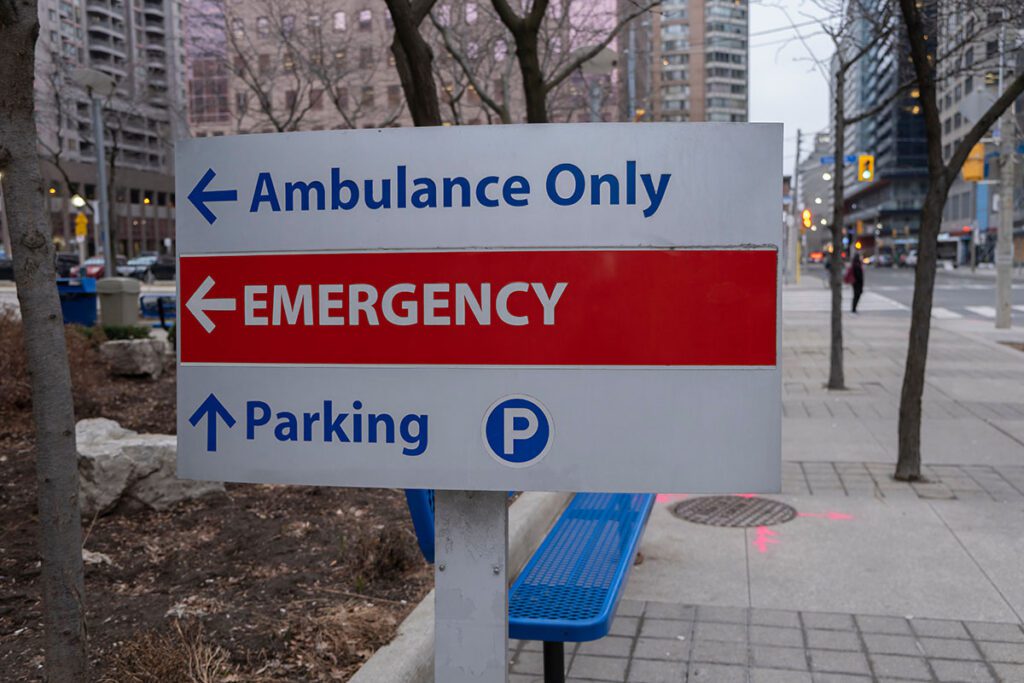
211	408
199	196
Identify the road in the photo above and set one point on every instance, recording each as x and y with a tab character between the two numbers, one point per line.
891	290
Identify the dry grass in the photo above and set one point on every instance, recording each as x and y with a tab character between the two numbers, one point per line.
179	655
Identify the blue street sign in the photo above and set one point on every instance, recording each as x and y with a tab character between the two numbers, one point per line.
199	196
211	408
828	160
848	159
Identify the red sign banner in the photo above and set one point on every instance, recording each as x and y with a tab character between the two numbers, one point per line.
708	307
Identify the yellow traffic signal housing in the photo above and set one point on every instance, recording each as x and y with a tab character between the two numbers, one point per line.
806	216
974	168
81	225
866	168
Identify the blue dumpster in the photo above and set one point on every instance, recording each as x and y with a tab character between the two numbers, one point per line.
78	300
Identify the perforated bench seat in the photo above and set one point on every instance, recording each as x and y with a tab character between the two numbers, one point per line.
569	589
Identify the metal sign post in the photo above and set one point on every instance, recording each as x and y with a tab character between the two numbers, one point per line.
470	580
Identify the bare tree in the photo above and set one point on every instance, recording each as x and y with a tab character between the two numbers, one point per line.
542	71
920	24
60	526
858	31
414	60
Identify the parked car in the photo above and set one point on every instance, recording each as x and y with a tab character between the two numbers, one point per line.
94	267
63	262
816	256
883	260
910	260
6	267
151	267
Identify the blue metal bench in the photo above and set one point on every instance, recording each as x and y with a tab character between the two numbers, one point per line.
570	588
159	307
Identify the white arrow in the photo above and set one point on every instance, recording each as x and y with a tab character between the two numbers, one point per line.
199	306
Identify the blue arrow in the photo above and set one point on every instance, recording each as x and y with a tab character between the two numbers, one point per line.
211	408
199	196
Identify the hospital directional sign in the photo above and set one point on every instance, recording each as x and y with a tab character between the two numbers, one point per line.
585	307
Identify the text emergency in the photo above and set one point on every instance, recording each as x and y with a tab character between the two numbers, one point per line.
403	303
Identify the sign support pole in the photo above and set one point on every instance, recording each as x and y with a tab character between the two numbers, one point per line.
471	587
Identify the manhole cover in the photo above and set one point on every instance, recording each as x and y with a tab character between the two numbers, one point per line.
734	511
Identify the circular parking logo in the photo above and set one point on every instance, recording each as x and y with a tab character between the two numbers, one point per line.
518	430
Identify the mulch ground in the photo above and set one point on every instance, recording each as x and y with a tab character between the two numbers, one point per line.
263	583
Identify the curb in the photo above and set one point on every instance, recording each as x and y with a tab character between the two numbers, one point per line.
409	657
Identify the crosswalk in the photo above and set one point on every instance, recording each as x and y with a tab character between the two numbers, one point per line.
820	301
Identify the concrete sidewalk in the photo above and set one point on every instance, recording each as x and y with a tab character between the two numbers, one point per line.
873	579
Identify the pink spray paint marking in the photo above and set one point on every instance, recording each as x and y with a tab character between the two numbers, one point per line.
745	495
834	516
765	537
669	497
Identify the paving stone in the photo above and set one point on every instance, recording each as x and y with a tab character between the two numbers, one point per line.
770	657
838	678
778	676
665	628
774	617
630	608
824	620
773	635
891	645
523	678
731	633
833	640
1005	633
729	615
650	671
890	625
939	628
609	646
719	653
716	673
599	668
901	668
961	672
1009	672
527	663
665	610
624	626
1009	653
662	648
949	648
839	662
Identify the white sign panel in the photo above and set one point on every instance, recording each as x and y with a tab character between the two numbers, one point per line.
588	307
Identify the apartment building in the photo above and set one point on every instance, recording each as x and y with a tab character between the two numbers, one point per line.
689	62
137	43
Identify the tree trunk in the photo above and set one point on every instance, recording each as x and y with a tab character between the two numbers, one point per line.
52	409
528	56
908	466
836	377
414	60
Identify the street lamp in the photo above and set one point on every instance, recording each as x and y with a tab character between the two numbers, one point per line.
77	201
99	85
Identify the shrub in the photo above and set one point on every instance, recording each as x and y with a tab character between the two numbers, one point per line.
119	332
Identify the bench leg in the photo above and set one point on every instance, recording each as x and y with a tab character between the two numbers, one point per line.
554	662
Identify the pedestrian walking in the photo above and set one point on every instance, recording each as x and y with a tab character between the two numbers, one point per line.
855	276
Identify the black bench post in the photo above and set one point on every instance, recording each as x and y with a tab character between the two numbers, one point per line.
554	662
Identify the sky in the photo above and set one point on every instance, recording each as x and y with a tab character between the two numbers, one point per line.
785	86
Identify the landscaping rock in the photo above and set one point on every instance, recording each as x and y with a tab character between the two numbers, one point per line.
135	357
119	467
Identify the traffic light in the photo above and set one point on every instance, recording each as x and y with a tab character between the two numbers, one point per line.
81	225
806	216
866	168
973	169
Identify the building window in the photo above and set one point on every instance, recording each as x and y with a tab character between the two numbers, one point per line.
289	62
340	21
365	57
313	22
969	85
471	12
288	24
991	49
241	102
264	64
365	20
368	96
290	97
263	26
394	96
238	26
316	99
